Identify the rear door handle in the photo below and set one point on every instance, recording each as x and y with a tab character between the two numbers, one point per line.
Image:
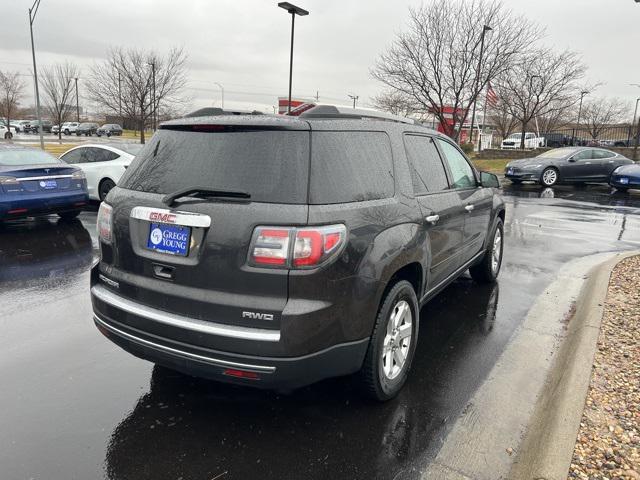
469	208
433	219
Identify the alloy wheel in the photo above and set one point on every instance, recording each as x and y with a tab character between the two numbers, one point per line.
397	341
496	252
549	177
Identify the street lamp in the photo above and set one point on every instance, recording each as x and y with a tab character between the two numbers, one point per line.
293	10
582	94
77	103
154	118
354	98
222	92
485	29
32	16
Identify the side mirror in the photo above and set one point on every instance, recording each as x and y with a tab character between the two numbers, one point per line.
573	160
489	180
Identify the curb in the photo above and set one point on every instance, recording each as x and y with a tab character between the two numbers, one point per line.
523	421
547	449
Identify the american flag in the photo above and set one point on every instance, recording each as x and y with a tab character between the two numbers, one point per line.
492	96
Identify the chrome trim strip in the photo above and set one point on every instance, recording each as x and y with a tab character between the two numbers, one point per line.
46	177
179	321
181	353
187	219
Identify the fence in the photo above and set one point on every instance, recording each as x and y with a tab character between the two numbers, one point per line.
613	136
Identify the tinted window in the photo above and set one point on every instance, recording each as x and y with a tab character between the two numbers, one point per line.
461	171
428	172
74	156
583	155
603	154
94	154
350	167
272	166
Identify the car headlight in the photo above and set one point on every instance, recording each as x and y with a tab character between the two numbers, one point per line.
531	167
78	175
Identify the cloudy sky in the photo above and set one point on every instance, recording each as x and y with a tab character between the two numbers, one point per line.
244	44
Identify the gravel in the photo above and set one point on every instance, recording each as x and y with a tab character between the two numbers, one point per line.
608	443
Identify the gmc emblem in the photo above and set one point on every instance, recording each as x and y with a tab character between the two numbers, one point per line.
162	217
257	316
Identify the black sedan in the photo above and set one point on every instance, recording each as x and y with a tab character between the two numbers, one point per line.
86	129
566	165
109	129
626	177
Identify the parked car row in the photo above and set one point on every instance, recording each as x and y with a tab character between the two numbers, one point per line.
68	128
576	165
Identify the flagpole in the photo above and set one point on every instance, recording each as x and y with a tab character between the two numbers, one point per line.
484	117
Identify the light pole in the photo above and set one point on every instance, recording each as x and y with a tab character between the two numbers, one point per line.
221	92
582	94
354	98
77	103
637	139
293	10
485	29
153	79
120	99
32	16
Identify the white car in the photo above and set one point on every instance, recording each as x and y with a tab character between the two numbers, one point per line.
69	127
103	164
5	132
531	141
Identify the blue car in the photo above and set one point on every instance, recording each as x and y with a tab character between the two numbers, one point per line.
33	182
626	177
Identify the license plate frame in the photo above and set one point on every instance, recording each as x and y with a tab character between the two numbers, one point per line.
48	184
169	239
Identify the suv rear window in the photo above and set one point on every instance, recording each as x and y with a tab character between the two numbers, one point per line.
350	167
271	165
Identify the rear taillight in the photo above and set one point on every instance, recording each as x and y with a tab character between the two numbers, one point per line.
290	247
10	184
104	223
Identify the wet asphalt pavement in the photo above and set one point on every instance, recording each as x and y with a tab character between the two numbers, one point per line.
74	406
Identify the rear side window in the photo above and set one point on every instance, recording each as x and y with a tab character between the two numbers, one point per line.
270	165
350	167
427	169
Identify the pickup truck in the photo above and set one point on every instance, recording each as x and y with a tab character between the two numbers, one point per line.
531	141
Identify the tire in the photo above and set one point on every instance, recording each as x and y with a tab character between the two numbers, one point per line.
489	267
381	378
104	188
70	215
549	177
8	136
66	131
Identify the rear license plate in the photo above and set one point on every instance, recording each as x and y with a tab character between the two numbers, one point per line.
624	181
48	184
172	239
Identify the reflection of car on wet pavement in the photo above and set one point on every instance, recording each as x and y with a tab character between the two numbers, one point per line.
43	248
566	165
103	164
33	182
626	177
294	265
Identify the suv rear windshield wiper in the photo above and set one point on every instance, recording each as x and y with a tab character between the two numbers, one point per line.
203	192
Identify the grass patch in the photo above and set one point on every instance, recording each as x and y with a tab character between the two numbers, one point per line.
491	165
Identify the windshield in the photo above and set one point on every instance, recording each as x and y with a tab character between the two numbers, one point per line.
272	166
26	157
558	153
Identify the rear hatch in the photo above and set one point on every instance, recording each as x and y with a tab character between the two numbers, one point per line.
45	179
189	256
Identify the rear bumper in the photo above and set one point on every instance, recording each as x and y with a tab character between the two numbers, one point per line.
164	347
34	205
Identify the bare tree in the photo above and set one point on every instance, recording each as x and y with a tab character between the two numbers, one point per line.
397	103
436	63
602	113
500	117
124	83
58	85
11	87
542	83
557	119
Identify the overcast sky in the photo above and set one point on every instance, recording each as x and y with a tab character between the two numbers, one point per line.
244	44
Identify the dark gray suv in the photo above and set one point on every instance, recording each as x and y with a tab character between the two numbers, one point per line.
278	251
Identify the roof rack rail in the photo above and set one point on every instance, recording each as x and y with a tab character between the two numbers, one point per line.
215	111
321	111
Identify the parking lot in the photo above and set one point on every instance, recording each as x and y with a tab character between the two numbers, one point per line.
76	406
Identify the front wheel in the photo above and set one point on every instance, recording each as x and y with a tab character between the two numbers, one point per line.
66	132
549	177
489	267
393	343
